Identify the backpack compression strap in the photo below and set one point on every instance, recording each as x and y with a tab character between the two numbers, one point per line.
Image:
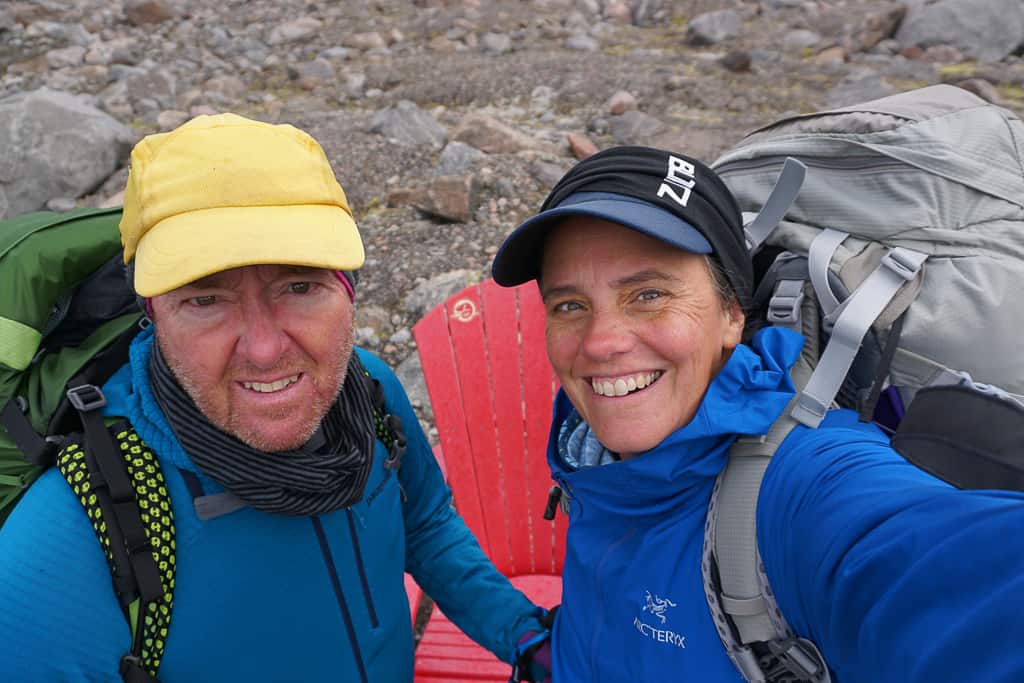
774	209
118	481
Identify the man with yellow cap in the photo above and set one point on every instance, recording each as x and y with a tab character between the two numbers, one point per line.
293	521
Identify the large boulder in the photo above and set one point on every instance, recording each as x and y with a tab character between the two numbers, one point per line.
987	30
407	124
55	146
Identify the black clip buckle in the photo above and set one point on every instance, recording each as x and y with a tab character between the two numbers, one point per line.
129	663
86	397
792	660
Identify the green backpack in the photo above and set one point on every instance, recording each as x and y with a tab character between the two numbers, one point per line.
67	318
63	303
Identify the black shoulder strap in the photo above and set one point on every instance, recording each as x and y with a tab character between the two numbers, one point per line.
387	425
118	480
388	428
37	450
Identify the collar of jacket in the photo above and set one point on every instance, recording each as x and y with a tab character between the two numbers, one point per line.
746	397
130	395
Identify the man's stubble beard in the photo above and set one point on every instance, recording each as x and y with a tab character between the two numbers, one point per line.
232	424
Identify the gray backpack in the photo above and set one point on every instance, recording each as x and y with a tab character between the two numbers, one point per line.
900	259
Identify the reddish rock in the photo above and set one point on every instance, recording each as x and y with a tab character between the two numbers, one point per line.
912	52
618	12
400	196
448	198
489	135
621	102
877	27
581	146
140	12
830	55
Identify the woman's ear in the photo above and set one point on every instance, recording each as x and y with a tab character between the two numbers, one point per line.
735	321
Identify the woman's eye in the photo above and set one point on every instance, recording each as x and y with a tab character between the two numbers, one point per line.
566	306
299	287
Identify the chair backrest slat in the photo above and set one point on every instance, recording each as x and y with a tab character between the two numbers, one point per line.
441	374
491	388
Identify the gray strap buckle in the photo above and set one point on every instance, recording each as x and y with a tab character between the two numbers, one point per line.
903	262
786	302
86	397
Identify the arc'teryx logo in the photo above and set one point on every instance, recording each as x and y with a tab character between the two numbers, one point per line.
680	174
657	606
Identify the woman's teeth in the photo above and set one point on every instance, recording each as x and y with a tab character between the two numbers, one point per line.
620	386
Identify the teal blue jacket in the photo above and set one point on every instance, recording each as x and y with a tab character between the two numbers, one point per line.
259	597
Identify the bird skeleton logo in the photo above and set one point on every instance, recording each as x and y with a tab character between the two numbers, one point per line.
656	605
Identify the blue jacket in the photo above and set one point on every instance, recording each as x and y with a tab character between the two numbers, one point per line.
259	597
897	576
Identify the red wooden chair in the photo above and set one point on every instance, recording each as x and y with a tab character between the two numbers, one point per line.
491	388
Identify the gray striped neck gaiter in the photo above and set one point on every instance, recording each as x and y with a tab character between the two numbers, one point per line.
328	473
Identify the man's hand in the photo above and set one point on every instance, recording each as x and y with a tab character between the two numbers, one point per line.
533	653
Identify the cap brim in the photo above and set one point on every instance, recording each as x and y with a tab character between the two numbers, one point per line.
185	247
519	258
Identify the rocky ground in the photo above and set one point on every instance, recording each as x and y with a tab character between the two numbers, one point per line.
447	120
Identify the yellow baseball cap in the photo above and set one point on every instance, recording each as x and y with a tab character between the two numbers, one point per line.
224	191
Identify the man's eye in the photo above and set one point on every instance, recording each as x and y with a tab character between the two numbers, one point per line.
566	306
649	295
207	300
299	287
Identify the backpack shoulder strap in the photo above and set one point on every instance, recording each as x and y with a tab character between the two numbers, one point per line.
749	622
118	480
387	426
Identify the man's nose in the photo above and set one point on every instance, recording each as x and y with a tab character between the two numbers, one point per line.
262	339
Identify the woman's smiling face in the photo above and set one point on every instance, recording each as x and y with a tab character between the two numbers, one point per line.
636	330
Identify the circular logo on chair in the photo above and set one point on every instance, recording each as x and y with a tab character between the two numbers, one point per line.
464	310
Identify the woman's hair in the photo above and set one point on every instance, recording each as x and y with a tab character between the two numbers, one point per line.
727	295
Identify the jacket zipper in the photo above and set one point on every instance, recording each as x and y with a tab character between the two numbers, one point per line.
362	569
565	501
332	571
